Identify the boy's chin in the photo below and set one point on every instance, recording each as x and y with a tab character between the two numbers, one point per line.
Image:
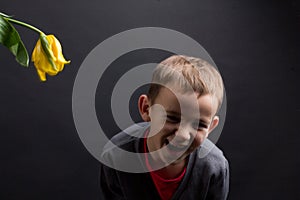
169	160
166	158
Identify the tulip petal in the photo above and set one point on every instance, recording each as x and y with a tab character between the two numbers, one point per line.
42	75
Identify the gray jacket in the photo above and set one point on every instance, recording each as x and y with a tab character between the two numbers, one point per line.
207	177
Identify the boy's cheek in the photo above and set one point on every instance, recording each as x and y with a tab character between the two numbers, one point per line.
169	127
164	128
198	140
157	126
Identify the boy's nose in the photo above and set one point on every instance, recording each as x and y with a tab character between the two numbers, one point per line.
182	136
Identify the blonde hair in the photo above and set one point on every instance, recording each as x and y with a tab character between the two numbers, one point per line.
187	73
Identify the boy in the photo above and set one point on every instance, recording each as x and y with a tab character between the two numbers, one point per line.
179	113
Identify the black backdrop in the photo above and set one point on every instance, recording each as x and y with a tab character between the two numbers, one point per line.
254	43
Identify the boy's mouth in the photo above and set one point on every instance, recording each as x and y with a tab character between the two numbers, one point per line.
175	148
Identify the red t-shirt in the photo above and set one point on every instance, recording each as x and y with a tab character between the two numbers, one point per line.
165	187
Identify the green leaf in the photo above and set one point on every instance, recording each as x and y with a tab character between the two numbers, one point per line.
10	38
46	47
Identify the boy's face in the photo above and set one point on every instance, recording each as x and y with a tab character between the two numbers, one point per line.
179	127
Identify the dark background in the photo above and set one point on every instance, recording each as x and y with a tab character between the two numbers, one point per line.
255	44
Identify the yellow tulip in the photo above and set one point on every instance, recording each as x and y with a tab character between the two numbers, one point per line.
47	56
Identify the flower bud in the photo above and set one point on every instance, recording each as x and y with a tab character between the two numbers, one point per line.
47	56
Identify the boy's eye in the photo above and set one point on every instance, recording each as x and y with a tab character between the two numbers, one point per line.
199	126
173	119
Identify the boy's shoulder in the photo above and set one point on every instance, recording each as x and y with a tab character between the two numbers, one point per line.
127	139
124	150
211	156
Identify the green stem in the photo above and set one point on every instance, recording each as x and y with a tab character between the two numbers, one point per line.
24	24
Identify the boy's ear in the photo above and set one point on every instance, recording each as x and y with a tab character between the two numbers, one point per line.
213	124
144	106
